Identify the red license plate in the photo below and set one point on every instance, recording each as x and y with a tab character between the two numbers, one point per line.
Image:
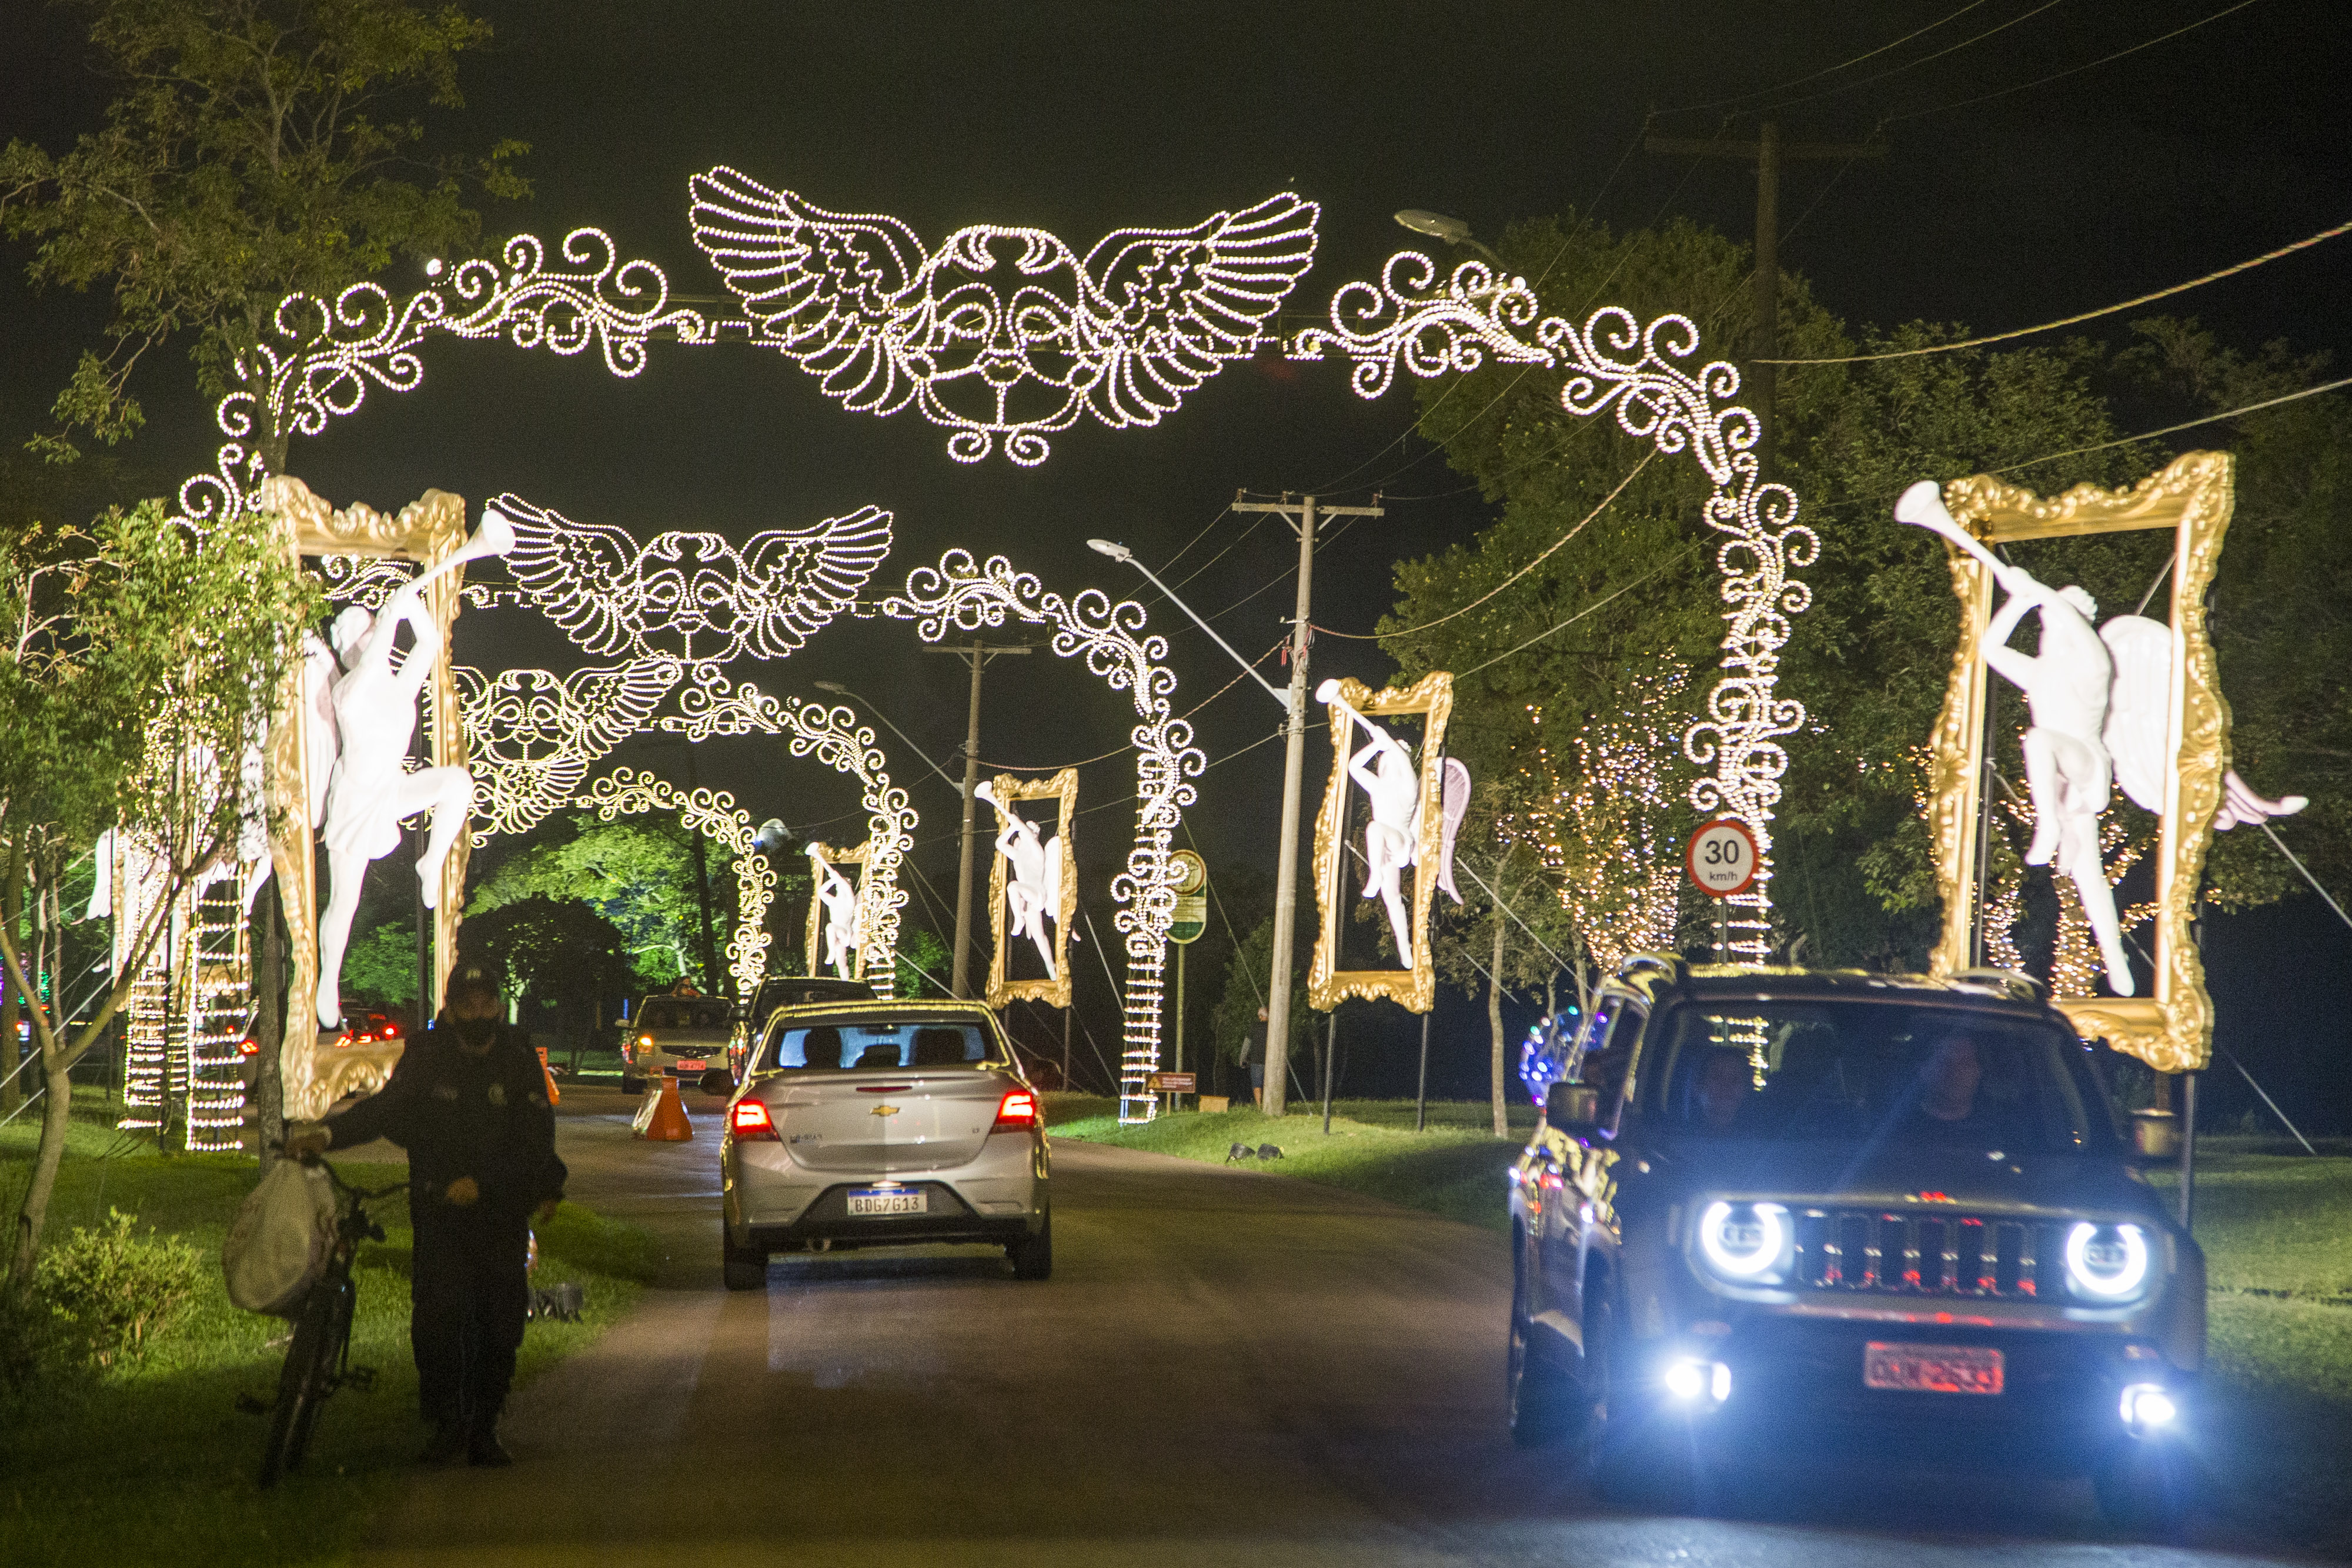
692	1066
1932	1368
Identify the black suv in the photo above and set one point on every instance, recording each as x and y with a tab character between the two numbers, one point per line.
1767	1206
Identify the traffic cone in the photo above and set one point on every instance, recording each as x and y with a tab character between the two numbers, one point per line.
667	1124
554	1095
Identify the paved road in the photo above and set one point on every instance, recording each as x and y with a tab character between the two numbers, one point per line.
1226	1368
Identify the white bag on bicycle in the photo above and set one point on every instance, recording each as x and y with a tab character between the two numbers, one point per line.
280	1241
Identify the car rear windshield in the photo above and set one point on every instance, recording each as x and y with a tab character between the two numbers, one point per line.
681	1013
848	1045
1862	1072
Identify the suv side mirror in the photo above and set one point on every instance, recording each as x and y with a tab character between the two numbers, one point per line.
1574	1109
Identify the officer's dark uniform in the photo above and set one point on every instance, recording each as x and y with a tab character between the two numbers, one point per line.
462	1114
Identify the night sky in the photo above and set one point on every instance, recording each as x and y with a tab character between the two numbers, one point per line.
2127	177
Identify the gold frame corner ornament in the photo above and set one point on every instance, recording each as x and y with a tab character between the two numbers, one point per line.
2194	495
1056	993
859	858
1415	990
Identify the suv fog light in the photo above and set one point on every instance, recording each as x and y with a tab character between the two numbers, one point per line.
2106	1262
2147	1408
1688	1378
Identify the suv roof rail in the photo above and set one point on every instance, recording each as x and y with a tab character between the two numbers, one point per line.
1667	964
2015	983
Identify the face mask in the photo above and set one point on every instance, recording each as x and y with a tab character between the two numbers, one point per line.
476	1031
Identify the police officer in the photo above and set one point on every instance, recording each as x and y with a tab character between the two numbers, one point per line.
469	1102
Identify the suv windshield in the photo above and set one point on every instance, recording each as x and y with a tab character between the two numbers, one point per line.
852	1044
1858	1073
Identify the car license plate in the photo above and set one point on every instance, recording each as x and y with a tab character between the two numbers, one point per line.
884	1200
692	1066
1932	1368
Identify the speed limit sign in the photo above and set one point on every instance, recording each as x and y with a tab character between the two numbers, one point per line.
1722	858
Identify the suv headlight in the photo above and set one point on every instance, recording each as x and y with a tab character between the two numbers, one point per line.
2106	1262
1745	1243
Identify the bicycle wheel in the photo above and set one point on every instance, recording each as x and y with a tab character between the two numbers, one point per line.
307	1377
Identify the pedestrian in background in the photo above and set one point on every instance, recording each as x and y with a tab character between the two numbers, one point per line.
469	1102
1253	1054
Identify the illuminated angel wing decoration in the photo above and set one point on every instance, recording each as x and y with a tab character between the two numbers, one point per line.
1002	332
1457	804
1173	305
2137	730
691	595
837	291
531	735
584	575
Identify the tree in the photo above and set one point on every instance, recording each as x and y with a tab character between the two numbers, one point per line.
637	874
254	149
138	669
1509	930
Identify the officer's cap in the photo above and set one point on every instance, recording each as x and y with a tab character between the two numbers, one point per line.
474	979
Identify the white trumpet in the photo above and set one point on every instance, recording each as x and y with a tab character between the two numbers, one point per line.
1922	506
495	536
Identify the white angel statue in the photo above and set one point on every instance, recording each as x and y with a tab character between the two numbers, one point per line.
844	922
2101	700
1032	890
1390	780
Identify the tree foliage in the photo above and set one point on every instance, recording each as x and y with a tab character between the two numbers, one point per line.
253	148
637	874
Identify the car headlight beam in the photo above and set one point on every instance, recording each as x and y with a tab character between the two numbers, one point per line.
1745	1241
2106	1262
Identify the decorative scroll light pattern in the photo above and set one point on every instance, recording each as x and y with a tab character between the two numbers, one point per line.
533	735
625	791
1001	332
960	596
322	357
1408	319
839	740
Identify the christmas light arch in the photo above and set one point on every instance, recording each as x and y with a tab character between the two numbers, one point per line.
1408	321
627	790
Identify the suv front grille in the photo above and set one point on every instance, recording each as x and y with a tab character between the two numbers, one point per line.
1877	1253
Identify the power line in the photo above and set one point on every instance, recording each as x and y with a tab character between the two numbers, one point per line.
2184	425
2044	81
1816	76
1581	614
2230	271
1548	550
1898	70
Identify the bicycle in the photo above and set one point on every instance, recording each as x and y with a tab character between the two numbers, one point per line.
318	1363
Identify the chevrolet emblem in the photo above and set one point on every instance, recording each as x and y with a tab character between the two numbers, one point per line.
885	1110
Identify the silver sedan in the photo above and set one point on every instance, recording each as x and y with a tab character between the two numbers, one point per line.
884	1123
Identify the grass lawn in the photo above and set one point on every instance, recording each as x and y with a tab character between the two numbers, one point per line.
1455	1168
154	1464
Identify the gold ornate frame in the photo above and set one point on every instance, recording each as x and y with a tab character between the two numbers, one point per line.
1415	990
2172	1030
1062	786
425	531
830	856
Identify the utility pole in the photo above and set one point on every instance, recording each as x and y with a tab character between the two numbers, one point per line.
977	654
1770	152
1301	514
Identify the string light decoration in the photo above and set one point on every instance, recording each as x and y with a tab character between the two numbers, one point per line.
1001	332
836	738
1613	361
531	735
625	791
1605	834
691	596
963	596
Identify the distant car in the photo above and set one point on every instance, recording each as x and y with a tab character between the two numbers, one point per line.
883	1124
1774	1207
358	1029
788	991
678	1037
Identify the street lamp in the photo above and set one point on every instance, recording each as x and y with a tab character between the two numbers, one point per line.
1119	552
839	690
1452	231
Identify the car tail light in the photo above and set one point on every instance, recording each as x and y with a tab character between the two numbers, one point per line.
391	1032
750	1119
249	1046
1016	1113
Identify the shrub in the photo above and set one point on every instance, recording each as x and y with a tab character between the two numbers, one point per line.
25	1336
109	1292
